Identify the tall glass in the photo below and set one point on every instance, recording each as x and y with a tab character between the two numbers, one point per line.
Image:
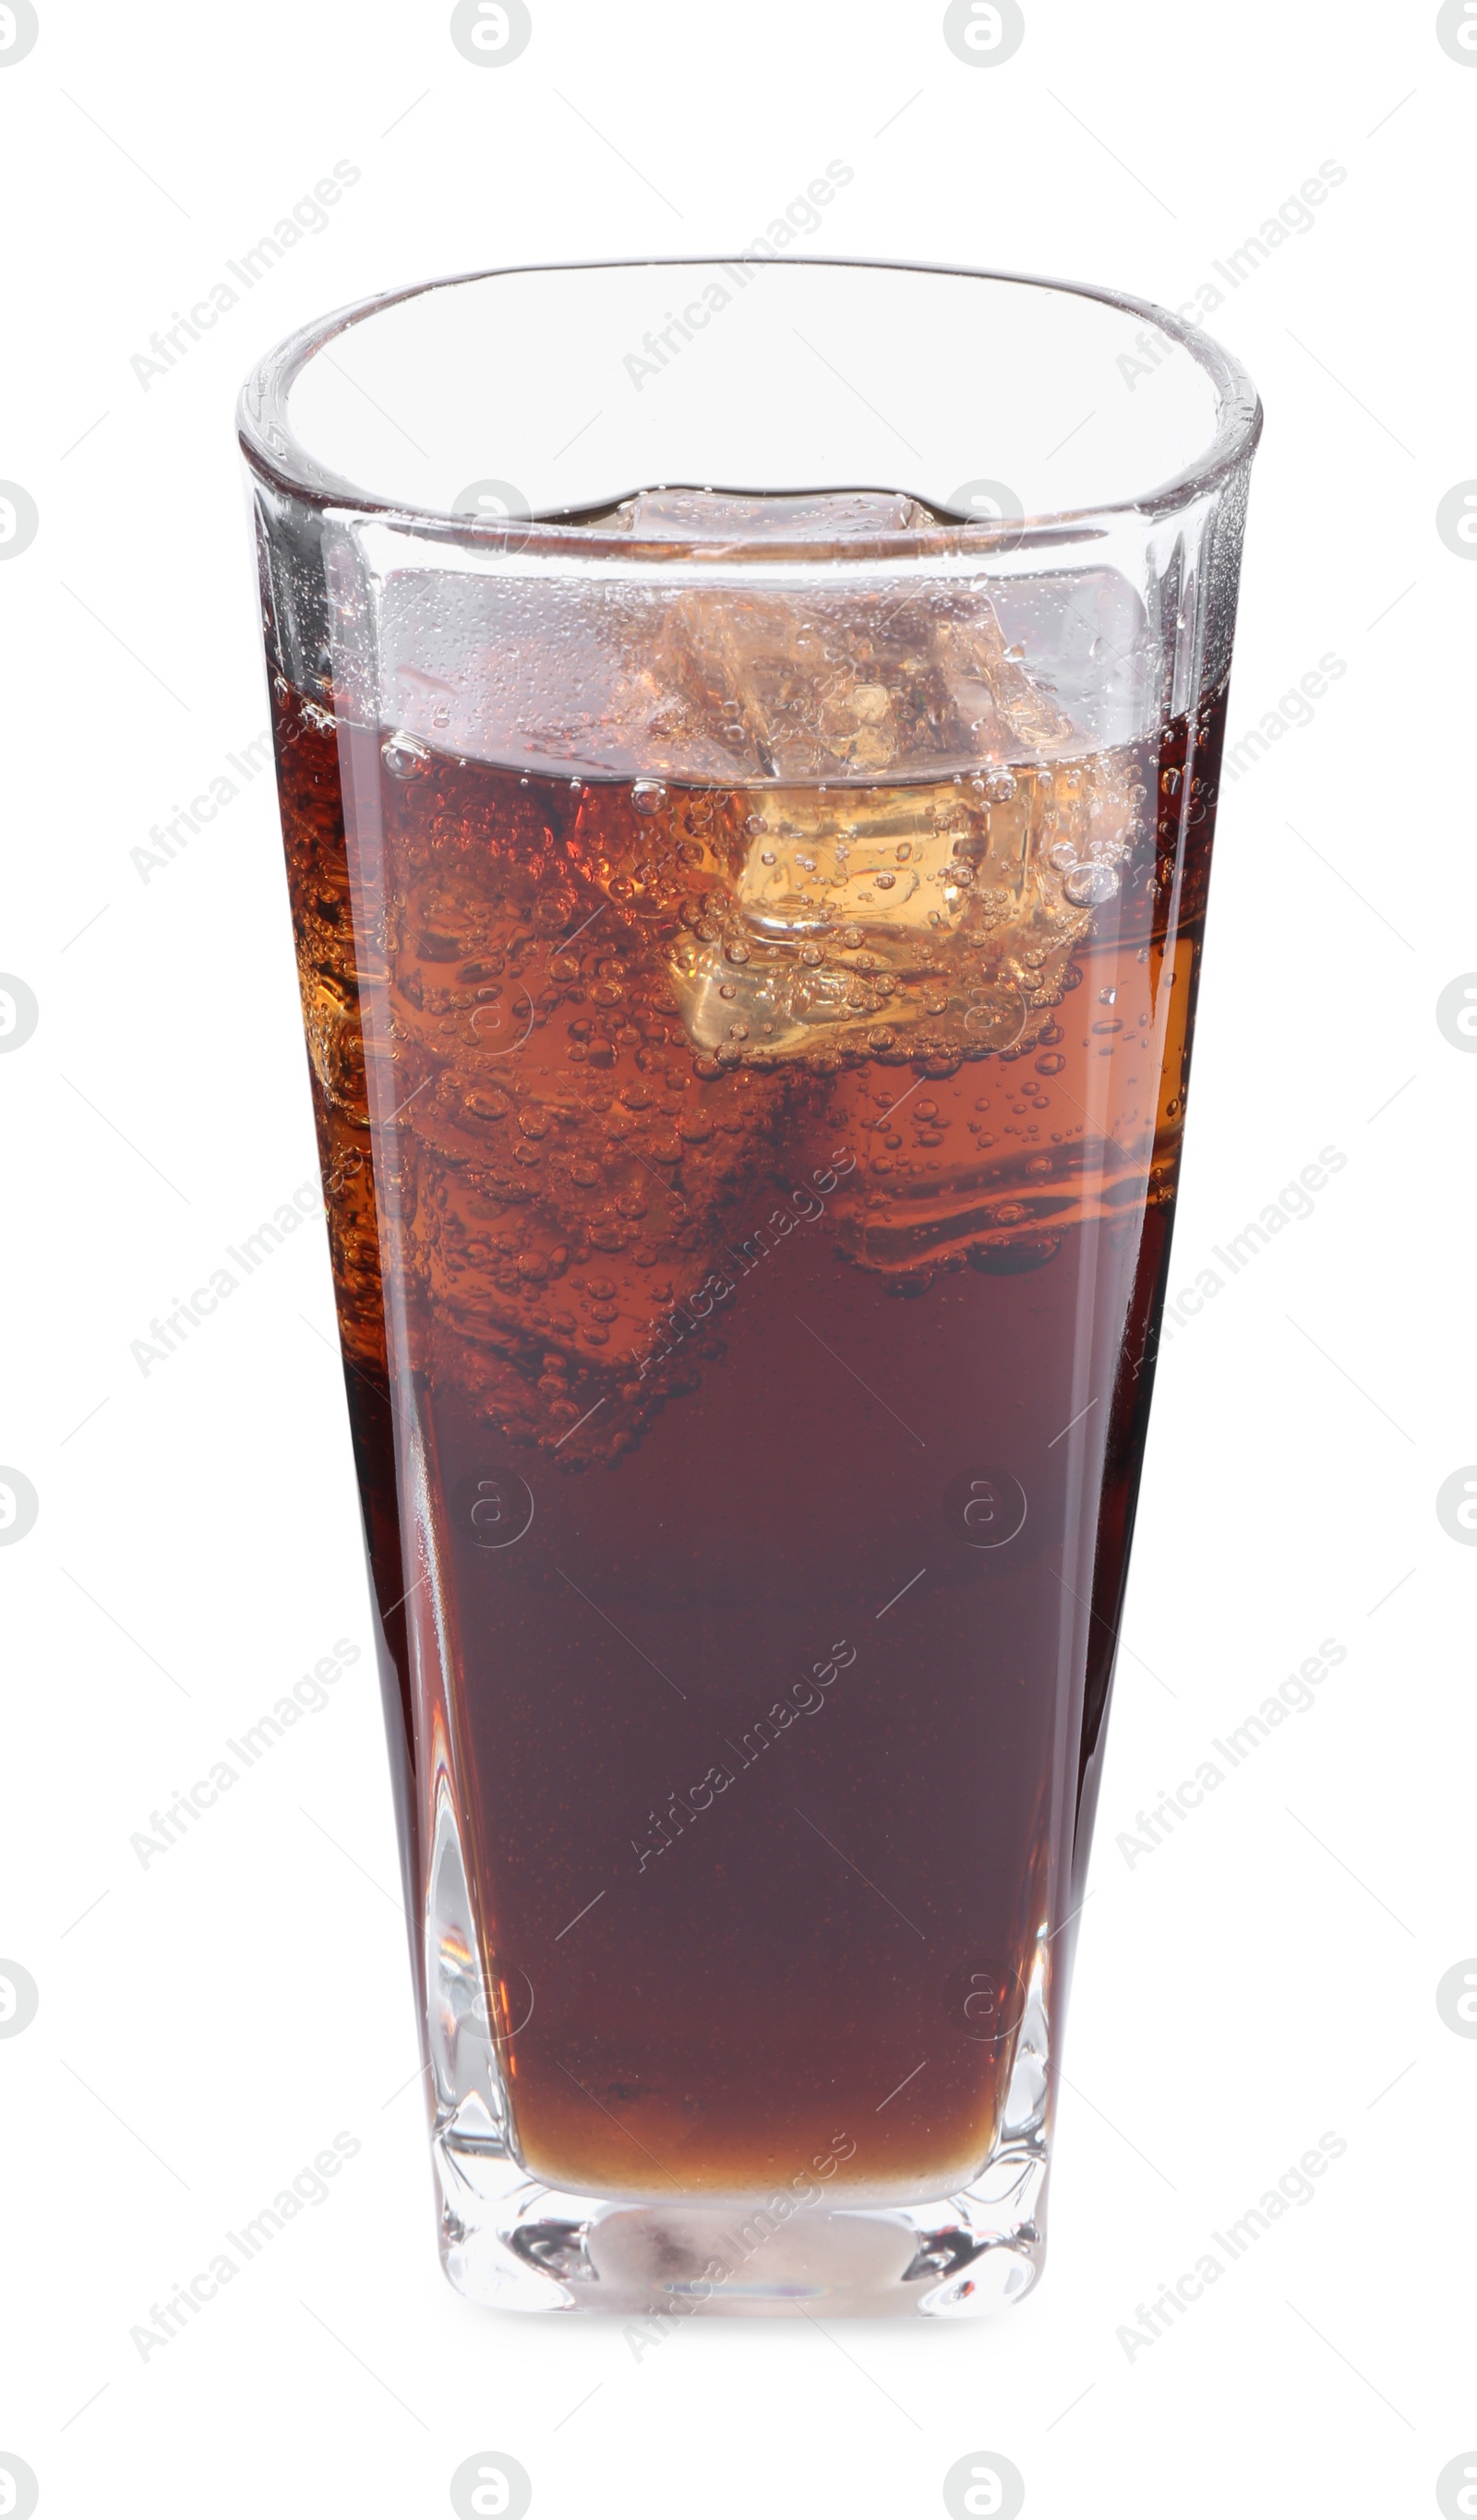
748	738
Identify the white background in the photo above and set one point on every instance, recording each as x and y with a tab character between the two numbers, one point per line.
1268	1974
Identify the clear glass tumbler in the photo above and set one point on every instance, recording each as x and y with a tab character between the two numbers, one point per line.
748	737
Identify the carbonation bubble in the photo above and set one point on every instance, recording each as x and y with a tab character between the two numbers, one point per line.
405	757
1090	884
1000	787
648	795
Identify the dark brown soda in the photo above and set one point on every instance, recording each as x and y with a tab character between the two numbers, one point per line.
782	1413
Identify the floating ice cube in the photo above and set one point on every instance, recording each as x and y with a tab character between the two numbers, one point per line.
725	671
738	517
810	685
900	920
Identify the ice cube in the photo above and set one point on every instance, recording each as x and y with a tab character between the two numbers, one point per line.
998	712
740	517
810	685
898	921
730	671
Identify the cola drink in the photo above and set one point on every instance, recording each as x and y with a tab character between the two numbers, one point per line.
749	1199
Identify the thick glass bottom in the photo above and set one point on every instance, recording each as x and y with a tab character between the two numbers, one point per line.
511	2244
511	2240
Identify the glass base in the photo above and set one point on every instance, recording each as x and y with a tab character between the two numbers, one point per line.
511	2244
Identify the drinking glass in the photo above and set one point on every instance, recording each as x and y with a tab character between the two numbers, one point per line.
748	737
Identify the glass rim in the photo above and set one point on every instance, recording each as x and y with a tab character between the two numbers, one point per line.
271	447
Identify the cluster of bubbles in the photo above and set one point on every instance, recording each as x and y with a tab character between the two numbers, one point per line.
615	1022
